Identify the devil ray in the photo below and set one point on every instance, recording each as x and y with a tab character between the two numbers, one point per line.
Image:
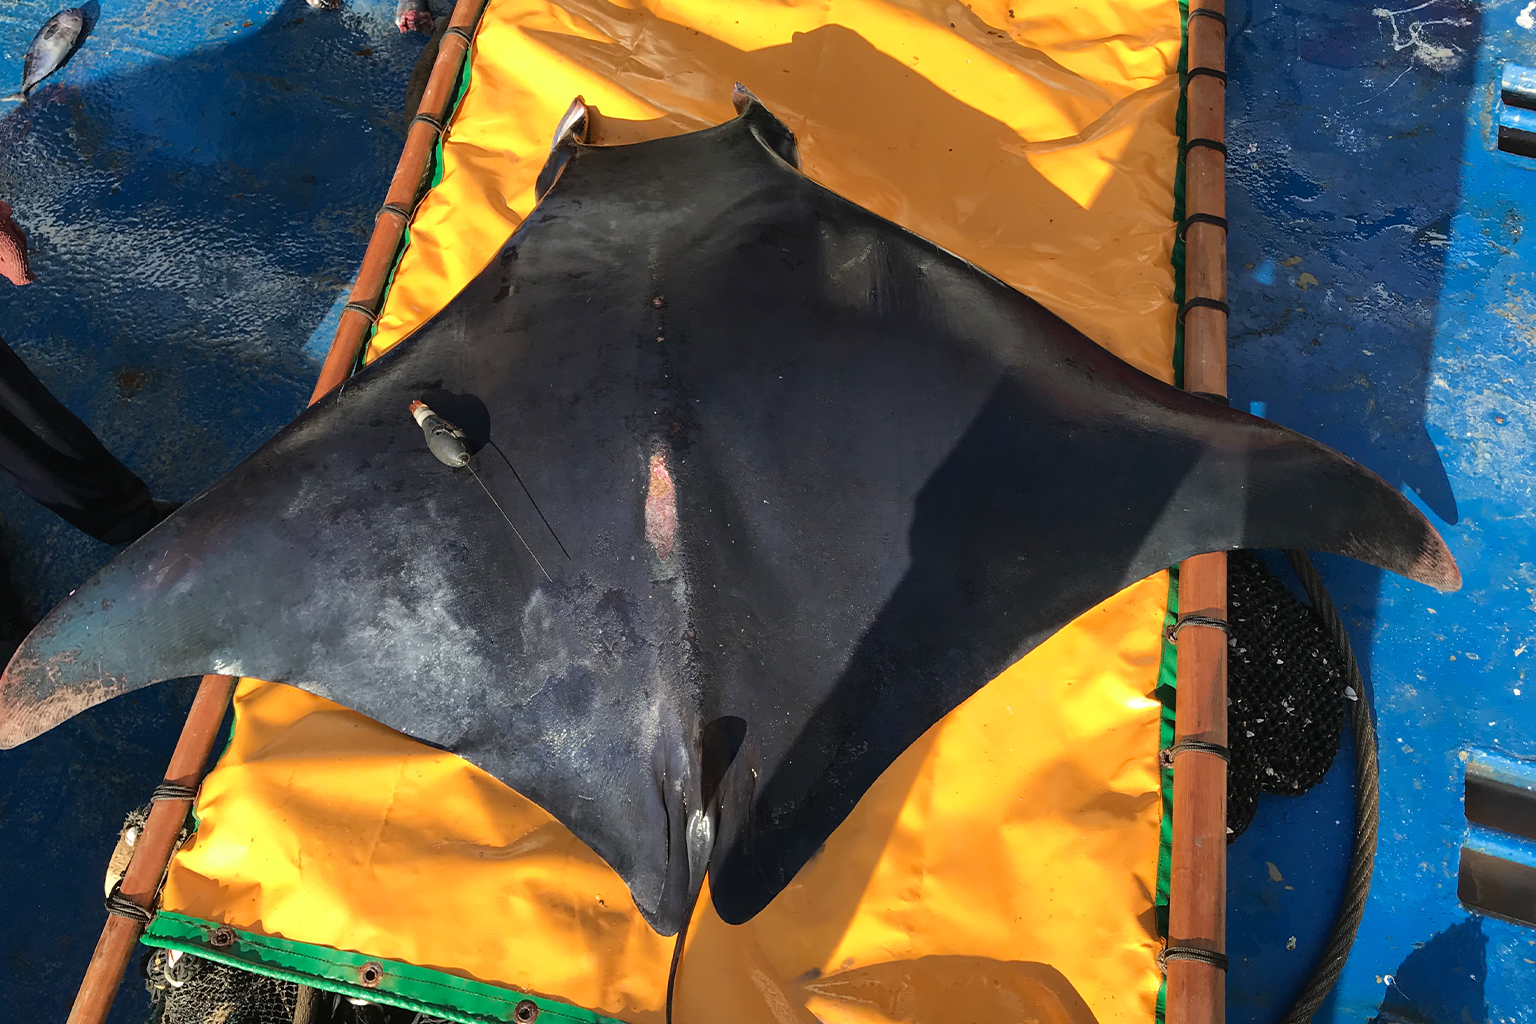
802	482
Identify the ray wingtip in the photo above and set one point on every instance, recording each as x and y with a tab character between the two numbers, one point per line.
1431	563
18	721
1438	568
14	719
38	693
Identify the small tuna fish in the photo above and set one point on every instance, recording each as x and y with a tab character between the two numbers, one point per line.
413	16
13	249
53	45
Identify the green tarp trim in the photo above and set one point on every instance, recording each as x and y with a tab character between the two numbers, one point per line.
407	986
1168	668
449	114
1167	690
1181	129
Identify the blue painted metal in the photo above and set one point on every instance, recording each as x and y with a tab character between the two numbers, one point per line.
198	186
1510	771
1382	294
1517	85
1516	116
1500	844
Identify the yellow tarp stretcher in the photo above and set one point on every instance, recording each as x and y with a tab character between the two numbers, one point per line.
1005	867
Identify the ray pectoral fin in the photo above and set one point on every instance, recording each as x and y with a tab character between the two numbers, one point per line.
1301	494
28	709
154	613
1024	526
67	665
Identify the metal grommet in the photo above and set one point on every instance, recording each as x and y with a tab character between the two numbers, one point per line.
526	1012
221	937
370	974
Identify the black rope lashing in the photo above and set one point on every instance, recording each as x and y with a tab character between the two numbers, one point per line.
396	209
1199	302
358	307
1357	887
1206	12
1166	755
1195	953
1171	634
1211	396
428	119
1189	144
119	905
1201	218
173	791
461	32
1216	73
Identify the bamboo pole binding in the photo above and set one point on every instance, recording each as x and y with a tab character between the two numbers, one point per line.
152	853
1196	959
427	127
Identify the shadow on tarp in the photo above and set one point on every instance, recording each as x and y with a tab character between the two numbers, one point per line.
190	222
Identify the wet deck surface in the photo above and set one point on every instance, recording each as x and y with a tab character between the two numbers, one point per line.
198	188
1381	272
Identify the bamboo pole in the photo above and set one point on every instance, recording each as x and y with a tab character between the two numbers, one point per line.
152	852
1196	992
156	844
362	309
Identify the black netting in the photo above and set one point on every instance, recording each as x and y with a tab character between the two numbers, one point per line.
1285	691
186	989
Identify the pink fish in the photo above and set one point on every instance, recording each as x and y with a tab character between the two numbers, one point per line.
13	249
413	16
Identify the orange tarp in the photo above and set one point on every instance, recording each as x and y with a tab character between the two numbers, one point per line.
1003	868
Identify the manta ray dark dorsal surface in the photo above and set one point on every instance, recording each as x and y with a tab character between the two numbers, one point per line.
801	481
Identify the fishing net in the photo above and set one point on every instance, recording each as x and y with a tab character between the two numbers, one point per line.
1285	696
186	989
